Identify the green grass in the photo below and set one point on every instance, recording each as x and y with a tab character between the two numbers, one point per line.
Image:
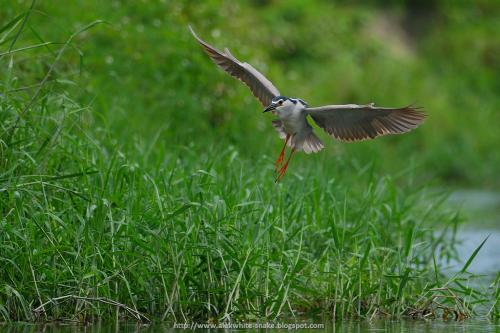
177	235
116	185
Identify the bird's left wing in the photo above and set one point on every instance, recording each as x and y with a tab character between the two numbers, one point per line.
352	122
260	86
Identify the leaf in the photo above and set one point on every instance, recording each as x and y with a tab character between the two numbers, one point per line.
402	284
409	240
12	22
473	255
181	210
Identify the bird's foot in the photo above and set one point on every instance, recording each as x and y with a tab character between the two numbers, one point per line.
281	172
281	158
279	161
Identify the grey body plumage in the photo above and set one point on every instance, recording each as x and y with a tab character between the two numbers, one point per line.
349	122
292	114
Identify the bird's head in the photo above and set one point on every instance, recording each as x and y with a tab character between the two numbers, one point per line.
281	103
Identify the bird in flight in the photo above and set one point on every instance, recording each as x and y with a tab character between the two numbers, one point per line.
348	122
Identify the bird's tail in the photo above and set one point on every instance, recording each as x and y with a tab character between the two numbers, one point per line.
312	144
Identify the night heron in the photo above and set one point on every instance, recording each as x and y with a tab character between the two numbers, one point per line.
349	122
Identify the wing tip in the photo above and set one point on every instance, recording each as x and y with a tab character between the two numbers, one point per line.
415	111
219	57
190	28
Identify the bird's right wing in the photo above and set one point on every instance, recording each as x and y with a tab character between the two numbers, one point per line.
260	86
354	122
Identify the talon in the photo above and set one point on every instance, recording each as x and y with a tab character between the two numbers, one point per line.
282	172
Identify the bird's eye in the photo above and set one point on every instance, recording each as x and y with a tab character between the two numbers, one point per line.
280	103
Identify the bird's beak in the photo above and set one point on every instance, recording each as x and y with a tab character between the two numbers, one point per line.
271	107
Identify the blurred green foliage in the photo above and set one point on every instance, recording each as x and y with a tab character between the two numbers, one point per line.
146	77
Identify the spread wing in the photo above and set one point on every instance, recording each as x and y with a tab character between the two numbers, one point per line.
354	122
260	86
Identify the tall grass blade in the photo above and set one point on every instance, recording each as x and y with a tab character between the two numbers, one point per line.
473	255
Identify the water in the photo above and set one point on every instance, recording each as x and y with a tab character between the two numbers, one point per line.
487	262
345	326
482	212
480	208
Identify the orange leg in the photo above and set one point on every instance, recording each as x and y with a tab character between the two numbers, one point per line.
280	159
282	171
